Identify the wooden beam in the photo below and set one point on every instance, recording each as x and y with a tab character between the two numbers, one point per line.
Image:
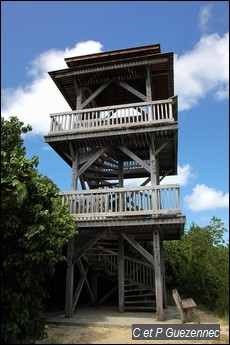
118	65
138	247
121	173
166	174
152	158
79	288
84	273
94	287
161	147
69	280
92	160
163	272
74	172
85	247
95	94
108	294
135	158
132	90
121	275
79	100
149	97
146	182
158	275
149	93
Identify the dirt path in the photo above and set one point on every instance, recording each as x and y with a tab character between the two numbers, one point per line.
75	334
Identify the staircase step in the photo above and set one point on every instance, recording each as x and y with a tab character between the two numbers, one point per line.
139	290
131	284
142	295
140	302
140	308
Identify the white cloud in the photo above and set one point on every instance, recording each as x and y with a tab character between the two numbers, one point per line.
204	17
199	71
203	70
206	198
33	103
185	174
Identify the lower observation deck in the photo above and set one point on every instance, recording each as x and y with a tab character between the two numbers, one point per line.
136	210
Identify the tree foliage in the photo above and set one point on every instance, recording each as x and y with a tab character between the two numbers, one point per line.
34	229
198	265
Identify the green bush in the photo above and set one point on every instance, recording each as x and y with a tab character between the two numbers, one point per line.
34	229
198	266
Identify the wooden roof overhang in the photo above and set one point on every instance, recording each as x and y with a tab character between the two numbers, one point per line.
128	65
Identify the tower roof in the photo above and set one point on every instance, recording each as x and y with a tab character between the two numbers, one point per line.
127	65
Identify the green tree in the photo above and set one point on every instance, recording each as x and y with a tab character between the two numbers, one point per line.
34	229
198	265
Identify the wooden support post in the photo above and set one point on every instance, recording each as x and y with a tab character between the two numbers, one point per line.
94	287
74	172
163	272
158	275
69	280
149	91
70	265
121	184
153	171
121	274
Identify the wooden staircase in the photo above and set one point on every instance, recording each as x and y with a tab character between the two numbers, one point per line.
139	297
139	292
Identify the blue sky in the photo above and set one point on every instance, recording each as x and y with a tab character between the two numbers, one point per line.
37	35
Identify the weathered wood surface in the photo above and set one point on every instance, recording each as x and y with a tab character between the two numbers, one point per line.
187	307
114	202
113	116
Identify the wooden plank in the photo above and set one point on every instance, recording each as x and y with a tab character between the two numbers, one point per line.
95	94
74	172
188	303
84	272
69	280
163	270
109	67
158	275
132	90
138	247
85	247
91	160
177	300
108	294
121	275
135	158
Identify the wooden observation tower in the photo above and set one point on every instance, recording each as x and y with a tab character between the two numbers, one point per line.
120	139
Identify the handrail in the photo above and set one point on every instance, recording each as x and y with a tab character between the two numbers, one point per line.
131	114
137	271
112	202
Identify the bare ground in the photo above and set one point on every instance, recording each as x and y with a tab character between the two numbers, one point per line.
76	334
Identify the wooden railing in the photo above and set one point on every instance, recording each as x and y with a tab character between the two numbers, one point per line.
135	270
113	202
115	116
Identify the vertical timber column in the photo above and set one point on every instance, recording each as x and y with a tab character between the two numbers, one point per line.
163	272
70	265
121	274
94	287
154	172
158	274
69	280
148	85
121	184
